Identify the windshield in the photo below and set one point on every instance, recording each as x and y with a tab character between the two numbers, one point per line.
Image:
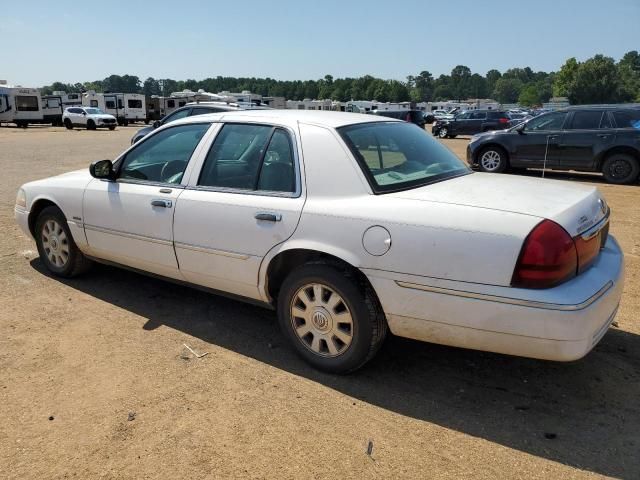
93	111
397	156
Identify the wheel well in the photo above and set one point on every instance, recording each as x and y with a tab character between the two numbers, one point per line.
620	149
284	263
36	208
490	145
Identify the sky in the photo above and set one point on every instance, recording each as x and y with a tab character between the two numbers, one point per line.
46	41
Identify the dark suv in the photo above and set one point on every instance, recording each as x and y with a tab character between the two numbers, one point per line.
603	138
471	122
411	116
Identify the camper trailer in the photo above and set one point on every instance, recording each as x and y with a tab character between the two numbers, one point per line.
20	105
126	107
53	106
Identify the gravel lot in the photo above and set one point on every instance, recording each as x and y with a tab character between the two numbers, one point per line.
95	381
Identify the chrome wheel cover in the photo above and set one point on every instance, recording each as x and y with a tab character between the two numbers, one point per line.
443	132
55	243
321	320
490	160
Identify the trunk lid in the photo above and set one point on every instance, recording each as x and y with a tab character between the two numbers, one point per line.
575	207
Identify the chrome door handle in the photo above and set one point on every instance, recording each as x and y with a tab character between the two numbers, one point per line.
268	216
161	203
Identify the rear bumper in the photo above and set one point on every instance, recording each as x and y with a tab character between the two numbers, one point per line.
562	323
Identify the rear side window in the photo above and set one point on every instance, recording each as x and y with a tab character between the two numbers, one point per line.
627	118
586	120
549	121
478	116
250	157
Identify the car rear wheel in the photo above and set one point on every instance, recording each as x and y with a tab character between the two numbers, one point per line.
56	247
333	320
68	124
620	168
492	160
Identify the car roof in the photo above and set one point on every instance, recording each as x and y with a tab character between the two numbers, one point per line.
290	117
617	106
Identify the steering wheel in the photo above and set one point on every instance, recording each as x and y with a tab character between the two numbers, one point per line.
172	171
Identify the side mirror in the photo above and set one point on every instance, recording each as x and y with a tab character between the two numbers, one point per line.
520	128
156	124
102	169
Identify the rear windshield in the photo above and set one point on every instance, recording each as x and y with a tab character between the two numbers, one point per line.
397	156
627	118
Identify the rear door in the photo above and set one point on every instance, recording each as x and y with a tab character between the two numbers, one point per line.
587	133
245	199
474	124
540	137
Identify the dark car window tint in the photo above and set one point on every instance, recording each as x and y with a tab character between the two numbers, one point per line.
550	121
163	157
606	121
176	116
277	173
235	156
627	118
396	156
586	120
478	115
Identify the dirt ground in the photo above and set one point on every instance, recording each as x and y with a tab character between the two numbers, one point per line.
95	381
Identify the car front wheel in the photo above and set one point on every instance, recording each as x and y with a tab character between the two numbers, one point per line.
443	132
492	160
68	124
333	320
56	247
620	169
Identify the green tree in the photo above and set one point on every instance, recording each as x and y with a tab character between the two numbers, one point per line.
507	90
565	78
597	80
492	77
629	70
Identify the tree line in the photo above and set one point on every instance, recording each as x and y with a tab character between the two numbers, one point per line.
599	79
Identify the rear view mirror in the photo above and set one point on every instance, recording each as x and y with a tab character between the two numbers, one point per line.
102	169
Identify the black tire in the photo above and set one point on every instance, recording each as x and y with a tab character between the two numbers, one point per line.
493	159
367	330
112	128
74	262
91	125
68	124
620	169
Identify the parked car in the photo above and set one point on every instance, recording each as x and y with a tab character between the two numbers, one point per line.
429	117
190	110
88	117
590	139
412	116
443	114
471	122
348	225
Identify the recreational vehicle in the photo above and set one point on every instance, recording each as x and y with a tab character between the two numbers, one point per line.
126	107
53	106
20	105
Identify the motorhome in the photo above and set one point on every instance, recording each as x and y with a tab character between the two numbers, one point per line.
20	105
126	107
53	106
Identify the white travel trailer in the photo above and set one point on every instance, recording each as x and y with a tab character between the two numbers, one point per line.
20	105
126	107
53	106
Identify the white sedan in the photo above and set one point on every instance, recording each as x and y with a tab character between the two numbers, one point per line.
349	225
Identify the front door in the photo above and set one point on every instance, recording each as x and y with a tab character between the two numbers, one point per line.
130	220
540	138
246	199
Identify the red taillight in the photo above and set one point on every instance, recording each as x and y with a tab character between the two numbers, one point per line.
548	257
503	120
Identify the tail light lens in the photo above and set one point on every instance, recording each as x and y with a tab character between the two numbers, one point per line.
503	120
548	257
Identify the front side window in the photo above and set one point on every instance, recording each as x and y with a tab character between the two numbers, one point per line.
550	121
176	116
93	111
399	156
478	115
586	120
134	103
627	118
163	157
250	157
26	103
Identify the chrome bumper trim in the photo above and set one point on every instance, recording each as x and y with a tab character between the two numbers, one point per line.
509	300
